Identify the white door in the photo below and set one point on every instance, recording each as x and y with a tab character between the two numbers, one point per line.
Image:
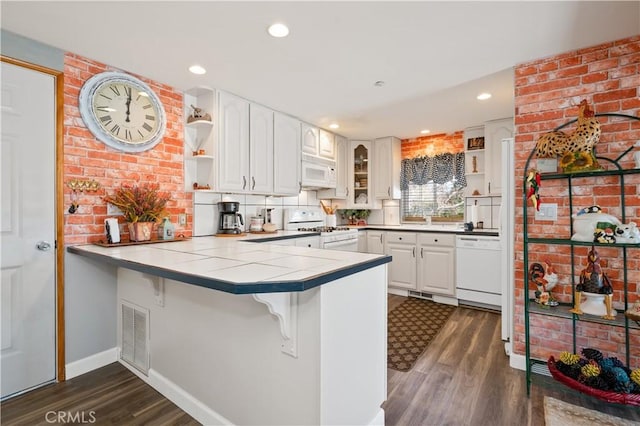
261	149
28	229
286	158
233	141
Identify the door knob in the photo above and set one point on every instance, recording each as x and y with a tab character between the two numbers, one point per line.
43	245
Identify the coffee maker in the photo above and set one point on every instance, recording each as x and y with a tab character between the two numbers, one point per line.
230	220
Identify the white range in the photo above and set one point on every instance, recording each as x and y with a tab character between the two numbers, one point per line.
331	237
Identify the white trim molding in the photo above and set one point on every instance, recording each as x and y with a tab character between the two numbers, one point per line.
90	363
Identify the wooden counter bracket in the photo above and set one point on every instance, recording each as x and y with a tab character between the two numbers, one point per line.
284	306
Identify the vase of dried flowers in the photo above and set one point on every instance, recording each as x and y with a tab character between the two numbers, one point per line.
142	206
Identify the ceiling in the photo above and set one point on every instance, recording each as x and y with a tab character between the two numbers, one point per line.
434	57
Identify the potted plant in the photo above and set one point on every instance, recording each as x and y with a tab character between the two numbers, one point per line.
142	206
355	216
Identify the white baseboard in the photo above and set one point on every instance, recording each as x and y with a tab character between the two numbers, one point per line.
185	401
397	291
84	365
518	361
378	420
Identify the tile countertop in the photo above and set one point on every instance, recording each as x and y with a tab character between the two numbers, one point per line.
235	265
437	228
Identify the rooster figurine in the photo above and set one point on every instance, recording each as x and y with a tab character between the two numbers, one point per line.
575	149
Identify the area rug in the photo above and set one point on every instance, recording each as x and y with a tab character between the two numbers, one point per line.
560	413
411	326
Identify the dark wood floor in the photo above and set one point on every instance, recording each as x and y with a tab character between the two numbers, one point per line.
463	378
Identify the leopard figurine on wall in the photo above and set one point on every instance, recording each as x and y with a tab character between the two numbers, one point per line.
576	149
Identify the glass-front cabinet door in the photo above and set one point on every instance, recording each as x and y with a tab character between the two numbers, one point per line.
361	194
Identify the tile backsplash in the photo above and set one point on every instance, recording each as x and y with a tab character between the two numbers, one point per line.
205	214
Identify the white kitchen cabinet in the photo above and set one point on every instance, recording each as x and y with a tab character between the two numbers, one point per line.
233	143
286	155
327	145
313	242
199	140
494	132
386	172
341	191
402	269
310	141
360	179
362	242
260	150
436	263
375	242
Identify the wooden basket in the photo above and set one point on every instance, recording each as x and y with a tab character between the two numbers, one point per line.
615	397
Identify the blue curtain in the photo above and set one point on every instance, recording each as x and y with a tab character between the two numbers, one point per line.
441	168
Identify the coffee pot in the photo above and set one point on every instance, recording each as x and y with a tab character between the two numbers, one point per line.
230	219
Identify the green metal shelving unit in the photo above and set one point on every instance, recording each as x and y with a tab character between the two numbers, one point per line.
530	307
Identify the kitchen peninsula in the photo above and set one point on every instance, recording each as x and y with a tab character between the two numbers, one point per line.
239	332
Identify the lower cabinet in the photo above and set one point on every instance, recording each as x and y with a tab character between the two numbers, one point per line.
423	262
375	242
402	269
436	263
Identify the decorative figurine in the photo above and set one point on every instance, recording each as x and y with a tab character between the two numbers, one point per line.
545	279
590	224
575	149
533	180
595	286
198	115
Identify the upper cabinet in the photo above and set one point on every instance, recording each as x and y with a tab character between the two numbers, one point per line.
360	183
327	147
286	155
199	139
310	139
386	172
341	191
233	143
494	132
260	149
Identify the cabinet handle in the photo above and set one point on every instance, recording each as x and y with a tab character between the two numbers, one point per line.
400	238
489	188
380	238
414	252
244	182
421	254
253	183
389	191
299	187
347	192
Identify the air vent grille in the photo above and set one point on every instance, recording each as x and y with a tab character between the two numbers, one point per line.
135	336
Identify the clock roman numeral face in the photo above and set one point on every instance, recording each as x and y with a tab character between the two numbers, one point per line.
126	112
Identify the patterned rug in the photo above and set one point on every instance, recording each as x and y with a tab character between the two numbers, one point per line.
560	413
411	327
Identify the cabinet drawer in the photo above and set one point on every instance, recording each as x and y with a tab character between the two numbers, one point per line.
401	237
438	239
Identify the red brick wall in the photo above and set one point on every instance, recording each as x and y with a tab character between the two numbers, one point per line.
85	157
433	145
547	92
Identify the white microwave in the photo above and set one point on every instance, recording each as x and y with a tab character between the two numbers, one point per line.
318	172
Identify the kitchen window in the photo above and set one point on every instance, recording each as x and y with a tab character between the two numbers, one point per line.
433	187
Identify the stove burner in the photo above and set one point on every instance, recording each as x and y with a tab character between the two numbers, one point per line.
324	229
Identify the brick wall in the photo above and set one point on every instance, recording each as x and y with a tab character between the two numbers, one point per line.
433	145
547	92
85	157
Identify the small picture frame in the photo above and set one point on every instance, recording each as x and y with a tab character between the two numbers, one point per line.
475	143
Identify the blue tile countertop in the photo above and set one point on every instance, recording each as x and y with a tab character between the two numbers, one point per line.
237	265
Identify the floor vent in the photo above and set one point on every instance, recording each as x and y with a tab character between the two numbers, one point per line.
542	369
135	336
420	295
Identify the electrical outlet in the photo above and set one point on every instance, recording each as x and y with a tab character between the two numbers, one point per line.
113	210
182	219
548	211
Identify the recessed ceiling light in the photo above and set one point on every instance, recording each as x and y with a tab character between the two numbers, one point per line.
278	30
197	69
334	126
483	96
425	131
379	83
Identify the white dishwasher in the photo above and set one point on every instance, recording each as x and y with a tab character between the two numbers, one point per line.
478	271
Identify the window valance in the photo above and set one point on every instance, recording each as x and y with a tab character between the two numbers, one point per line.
441	168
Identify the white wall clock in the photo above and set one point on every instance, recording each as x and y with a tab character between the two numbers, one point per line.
122	111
